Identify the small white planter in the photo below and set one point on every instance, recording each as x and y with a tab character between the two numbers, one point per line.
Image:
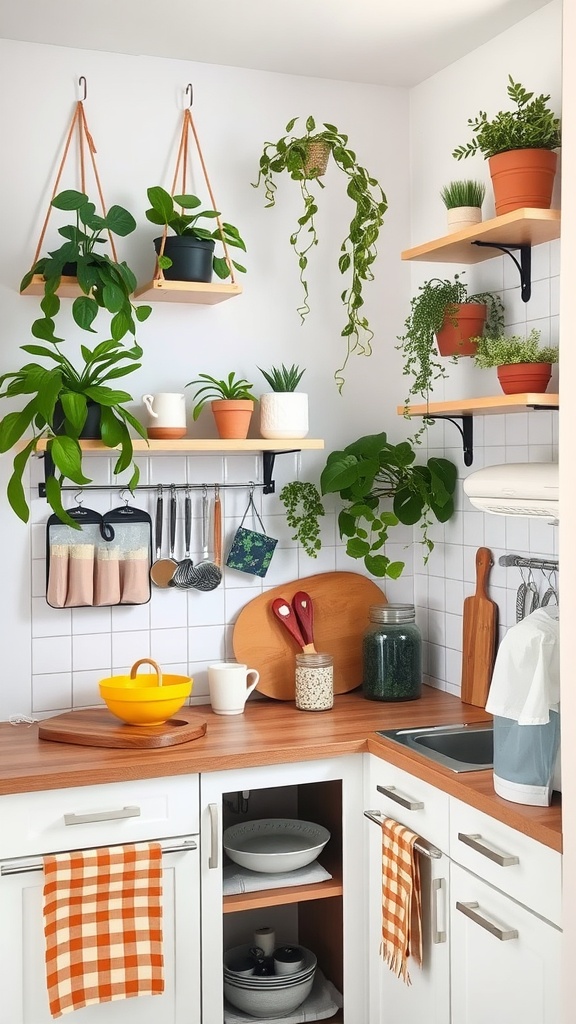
284	414
461	217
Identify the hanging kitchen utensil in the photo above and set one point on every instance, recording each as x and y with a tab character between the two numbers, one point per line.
551	594
285	614
183	574
304	610
217	529
480	630
163	569
251	552
533	596
206	575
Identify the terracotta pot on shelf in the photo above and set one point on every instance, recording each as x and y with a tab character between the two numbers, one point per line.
520	378
523	178
453	339
232	417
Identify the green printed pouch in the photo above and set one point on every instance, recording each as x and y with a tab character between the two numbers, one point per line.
251	551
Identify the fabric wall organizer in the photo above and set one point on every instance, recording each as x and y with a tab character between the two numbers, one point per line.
106	562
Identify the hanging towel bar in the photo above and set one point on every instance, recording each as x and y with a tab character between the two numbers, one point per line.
423	847
23	867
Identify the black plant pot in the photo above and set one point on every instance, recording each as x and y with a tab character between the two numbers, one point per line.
91	428
191	258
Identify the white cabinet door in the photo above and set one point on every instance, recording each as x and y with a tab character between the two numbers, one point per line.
505	961
428	996
22	974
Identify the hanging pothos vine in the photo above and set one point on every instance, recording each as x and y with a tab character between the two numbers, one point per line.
302	158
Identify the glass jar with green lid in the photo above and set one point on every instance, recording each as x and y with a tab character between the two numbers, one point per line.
392	654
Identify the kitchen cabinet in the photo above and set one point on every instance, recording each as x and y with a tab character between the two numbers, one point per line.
327	917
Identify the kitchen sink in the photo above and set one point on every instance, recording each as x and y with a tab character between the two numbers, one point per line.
462	748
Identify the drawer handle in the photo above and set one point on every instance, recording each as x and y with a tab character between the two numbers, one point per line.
504	860
404	801
469	910
84	819
214	848
438	887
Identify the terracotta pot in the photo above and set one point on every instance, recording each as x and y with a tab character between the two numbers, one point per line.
519	378
461	217
455	340
232	416
523	178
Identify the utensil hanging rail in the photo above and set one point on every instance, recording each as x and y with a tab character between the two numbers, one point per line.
521	562
422	845
147	487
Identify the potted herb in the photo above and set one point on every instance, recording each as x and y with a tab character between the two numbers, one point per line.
188	254
443	318
104	283
518	145
463	201
58	401
304	507
283	410
522	365
231	400
297	156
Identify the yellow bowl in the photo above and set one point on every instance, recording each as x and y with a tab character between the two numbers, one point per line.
149	699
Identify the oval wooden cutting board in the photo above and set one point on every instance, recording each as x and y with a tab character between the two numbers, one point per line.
341	601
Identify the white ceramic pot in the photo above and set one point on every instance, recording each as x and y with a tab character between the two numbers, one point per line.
461	217
284	414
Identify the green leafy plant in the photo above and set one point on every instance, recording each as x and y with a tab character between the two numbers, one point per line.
435	299
463	193
358	251
282	379
57	398
212	389
105	284
532	125
303	506
163	212
505	351
371	473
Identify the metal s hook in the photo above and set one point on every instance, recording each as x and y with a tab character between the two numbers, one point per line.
78	498
124	499
82	84
190	90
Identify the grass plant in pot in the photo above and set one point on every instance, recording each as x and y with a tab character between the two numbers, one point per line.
519	145
298	156
442	321
522	365
232	403
189	254
283	410
463	201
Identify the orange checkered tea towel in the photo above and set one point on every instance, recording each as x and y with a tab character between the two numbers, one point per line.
103	925
401	899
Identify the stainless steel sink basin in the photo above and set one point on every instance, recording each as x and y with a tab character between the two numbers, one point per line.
462	748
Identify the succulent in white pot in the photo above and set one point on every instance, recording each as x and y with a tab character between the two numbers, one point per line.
283	411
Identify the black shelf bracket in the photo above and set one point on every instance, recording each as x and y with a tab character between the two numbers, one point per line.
268	459
466	428
524	264
49	470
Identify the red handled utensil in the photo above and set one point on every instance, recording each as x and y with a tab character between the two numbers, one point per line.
304	610
286	616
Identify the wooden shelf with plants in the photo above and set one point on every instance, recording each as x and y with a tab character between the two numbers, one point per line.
490	405
204	444
187	291
520	227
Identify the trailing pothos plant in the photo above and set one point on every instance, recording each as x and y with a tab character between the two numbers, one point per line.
382	487
303	505
358	251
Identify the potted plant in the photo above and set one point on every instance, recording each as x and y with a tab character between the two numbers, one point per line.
231	400
463	201
303	505
443	318
58	399
522	366
104	283
298	156
518	145
188	254
283	411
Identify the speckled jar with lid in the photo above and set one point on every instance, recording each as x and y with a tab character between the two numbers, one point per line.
392	654
314	682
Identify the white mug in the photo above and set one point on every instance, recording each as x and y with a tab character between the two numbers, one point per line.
229	686
167	415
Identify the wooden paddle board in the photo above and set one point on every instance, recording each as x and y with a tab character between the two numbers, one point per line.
479	635
340	601
98	727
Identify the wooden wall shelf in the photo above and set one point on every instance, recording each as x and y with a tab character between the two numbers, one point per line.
520	227
491	405
202	444
187	291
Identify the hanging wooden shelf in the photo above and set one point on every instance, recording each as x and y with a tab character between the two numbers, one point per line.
69	287
490	405
187	291
520	227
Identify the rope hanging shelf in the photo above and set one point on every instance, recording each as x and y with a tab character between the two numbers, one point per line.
159	289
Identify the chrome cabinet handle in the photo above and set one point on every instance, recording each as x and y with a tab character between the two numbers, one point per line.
83	819
214	848
504	860
469	910
404	801
438	887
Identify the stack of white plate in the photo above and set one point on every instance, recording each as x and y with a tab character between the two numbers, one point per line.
268	995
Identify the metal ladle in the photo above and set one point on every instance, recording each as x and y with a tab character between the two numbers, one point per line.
184	573
206	575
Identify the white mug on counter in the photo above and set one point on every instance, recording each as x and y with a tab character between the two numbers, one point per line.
230	687
167	415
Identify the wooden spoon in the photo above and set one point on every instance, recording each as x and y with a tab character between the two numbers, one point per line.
304	611
286	616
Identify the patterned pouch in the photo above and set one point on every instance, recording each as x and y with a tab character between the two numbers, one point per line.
251	552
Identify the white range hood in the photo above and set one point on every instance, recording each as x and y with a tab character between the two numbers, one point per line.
516	489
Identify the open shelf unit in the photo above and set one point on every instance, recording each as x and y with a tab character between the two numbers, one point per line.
520	227
186	291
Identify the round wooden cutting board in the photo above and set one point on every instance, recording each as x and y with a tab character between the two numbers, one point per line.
341	601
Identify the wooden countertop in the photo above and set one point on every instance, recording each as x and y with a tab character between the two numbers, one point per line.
273	732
